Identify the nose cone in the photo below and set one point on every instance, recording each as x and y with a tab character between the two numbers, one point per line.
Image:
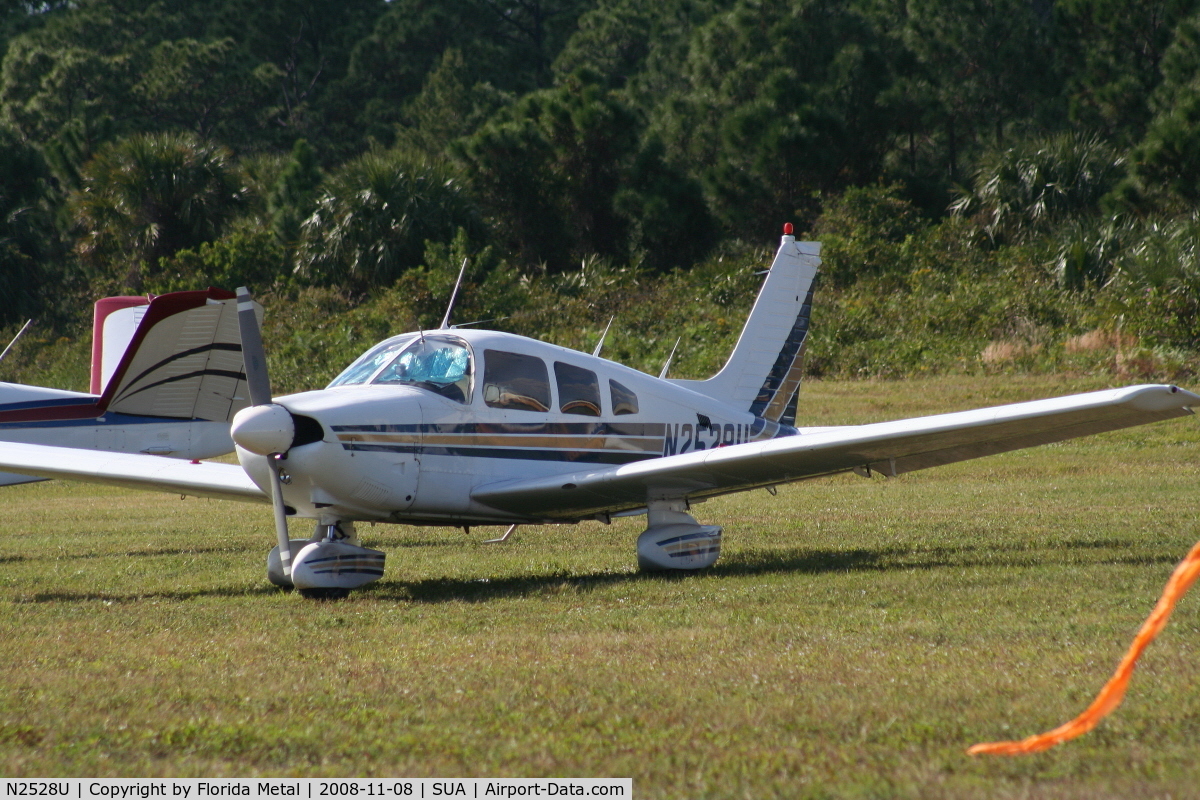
263	429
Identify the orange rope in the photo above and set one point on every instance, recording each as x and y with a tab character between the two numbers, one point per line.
1111	695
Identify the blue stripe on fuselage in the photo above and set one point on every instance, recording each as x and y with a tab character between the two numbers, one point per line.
46	403
109	419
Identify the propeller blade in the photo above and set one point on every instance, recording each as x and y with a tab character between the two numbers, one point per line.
281	527
250	426
253	353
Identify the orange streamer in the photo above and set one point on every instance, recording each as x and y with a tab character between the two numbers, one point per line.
1114	691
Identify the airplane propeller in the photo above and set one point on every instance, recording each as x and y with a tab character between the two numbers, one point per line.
264	427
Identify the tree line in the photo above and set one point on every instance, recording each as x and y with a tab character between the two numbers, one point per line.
357	148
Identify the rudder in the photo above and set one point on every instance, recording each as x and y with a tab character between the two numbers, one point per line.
764	371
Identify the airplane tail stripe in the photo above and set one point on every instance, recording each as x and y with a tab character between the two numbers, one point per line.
764	370
784	378
46	409
513	428
52	412
649	445
200	373
235	348
55	403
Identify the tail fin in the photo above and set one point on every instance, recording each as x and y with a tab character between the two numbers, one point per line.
114	322
183	360
763	373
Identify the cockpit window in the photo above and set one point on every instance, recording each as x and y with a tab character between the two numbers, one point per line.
435	363
369	362
578	390
516	381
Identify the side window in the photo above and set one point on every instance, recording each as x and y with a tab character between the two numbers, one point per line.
578	390
512	380
623	400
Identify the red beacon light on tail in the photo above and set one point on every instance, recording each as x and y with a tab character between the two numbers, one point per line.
787	229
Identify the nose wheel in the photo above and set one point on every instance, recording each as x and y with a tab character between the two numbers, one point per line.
329	565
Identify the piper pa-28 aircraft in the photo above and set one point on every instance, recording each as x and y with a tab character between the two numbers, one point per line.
472	427
167	378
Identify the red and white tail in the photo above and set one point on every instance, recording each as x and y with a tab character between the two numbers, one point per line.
763	373
177	356
114	321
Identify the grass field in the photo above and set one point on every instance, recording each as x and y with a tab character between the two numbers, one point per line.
856	636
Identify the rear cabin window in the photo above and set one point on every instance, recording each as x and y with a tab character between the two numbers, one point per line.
623	400
515	381
578	390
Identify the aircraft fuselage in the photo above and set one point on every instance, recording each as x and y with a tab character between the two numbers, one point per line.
407	450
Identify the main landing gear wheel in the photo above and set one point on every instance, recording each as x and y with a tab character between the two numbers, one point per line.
673	540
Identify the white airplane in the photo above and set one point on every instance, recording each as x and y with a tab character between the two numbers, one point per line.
472	427
167	378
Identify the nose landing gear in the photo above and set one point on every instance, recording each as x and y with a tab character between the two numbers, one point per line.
329	565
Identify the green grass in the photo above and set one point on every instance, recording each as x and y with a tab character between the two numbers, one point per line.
856	636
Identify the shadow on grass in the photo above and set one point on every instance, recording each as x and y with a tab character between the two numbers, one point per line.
161	552
117	598
800	561
416	544
803	561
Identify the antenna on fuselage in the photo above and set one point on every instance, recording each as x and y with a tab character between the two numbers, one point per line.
453	296
670	358
600	343
20	333
478	322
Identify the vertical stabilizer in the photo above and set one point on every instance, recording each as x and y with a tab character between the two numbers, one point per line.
113	324
764	371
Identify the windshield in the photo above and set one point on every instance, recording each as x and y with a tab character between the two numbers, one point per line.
370	362
439	364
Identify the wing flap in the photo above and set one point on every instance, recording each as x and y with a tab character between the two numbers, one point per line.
132	470
891	448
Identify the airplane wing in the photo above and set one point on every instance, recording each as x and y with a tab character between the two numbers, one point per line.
890	448
132	470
